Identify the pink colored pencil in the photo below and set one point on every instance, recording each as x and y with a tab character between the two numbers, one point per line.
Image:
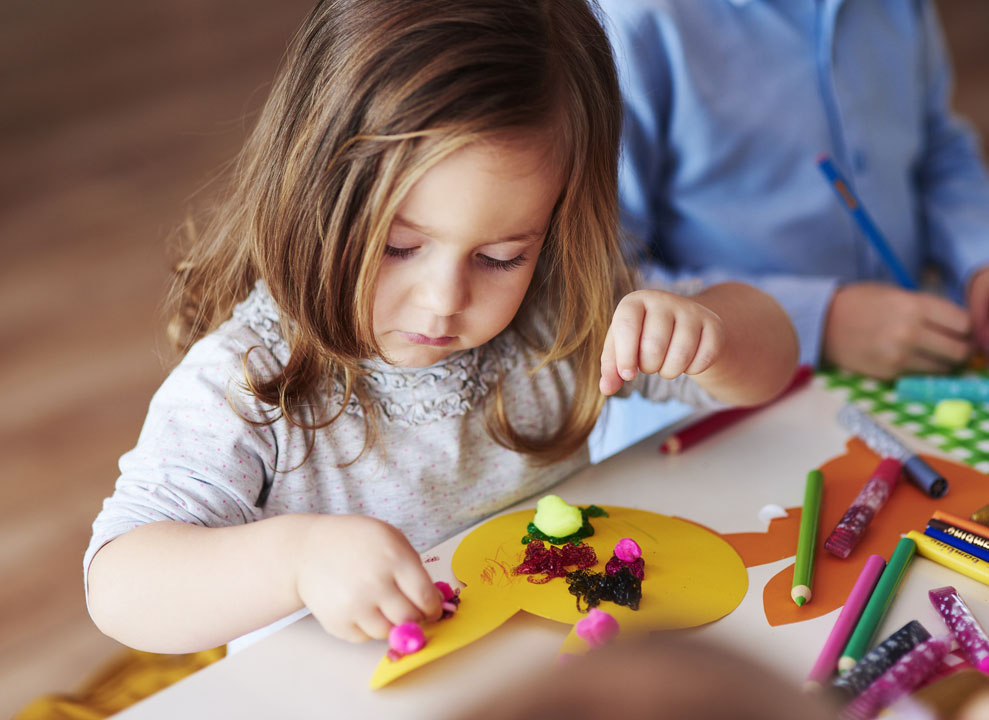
827	661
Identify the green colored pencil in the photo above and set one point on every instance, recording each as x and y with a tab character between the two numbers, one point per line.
875	609
803	572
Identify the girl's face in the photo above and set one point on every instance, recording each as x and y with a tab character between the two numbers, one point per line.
462	249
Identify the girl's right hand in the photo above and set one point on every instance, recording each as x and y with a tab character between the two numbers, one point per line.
360	576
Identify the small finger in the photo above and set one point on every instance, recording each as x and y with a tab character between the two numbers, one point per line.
347	631
398	609
922	363
626	330
708	349
374	624
947	346
415	584
655	342
683	347
979	314
946	315
611	381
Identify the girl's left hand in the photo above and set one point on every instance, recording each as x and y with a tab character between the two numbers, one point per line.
654	331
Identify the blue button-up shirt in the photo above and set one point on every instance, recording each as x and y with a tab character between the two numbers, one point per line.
729	102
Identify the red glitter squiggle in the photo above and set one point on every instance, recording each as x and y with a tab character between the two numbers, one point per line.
554	561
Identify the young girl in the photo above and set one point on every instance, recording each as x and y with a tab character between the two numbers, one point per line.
398	324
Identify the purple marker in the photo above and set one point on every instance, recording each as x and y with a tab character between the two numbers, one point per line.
867	503
963	625
901	679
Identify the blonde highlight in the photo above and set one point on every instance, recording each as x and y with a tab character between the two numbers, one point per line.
371	95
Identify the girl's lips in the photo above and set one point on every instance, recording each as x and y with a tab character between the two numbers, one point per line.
426	340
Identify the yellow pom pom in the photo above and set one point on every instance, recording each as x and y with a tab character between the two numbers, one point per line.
952	413
556	518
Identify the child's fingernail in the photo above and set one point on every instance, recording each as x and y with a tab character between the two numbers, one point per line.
627	374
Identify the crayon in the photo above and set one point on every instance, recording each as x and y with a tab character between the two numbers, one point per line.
978	540
965	547
906	674
951	558
707	426
875	610
880	659
961	523
981	516
867	503
827	661
959	618
934	388
803	571
884	444
862	219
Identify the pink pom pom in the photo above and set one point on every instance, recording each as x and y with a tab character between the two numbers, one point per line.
597	628
627	550
445	588
406	639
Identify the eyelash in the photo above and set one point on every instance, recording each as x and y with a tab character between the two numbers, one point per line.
515	262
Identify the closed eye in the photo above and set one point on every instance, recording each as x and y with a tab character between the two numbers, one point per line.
398	252
491	262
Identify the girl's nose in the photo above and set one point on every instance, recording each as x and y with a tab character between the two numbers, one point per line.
445	291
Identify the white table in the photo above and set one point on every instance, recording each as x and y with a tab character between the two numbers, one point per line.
300	672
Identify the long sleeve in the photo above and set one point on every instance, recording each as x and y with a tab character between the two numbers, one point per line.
951	178
644	69
196	460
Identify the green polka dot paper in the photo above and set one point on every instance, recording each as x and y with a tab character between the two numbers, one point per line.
969	444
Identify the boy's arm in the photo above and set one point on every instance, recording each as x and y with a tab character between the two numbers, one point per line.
760	351
174	587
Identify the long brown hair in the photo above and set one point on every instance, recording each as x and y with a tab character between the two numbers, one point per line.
371	95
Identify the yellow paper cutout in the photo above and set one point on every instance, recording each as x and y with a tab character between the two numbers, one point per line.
692	577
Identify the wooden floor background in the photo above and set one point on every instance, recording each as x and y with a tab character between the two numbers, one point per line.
113	117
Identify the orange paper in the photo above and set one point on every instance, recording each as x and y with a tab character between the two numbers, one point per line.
908	508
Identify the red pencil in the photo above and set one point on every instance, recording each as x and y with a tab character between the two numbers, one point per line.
709	425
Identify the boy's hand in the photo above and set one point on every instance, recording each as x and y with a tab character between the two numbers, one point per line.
884	331
360	576
658	332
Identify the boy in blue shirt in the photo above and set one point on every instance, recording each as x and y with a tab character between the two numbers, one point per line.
729	102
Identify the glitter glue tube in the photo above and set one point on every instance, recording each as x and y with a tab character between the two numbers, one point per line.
884	444
934	388
827	661
902	678
952	558
963	625
880	659
875	610
867	503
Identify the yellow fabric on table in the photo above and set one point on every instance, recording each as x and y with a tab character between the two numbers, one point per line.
133	676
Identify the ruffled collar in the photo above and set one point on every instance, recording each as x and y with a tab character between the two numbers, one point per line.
402	396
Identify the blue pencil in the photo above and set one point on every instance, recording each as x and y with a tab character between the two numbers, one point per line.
861	217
